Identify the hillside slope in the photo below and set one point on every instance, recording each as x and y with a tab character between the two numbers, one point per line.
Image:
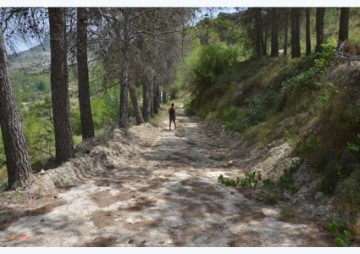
33	60
306	110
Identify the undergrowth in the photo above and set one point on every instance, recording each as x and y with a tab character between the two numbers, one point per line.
270	191
311	102
341	234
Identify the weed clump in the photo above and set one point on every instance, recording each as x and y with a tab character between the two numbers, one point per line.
270	192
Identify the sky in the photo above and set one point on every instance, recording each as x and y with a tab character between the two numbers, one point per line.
22	45
172	3
182	3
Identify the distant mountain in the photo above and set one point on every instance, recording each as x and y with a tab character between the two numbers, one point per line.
35	59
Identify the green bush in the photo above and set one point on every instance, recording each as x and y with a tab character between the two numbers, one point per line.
308	146
341	234
209	68
233	118
333	175
251	180
286	181
349	193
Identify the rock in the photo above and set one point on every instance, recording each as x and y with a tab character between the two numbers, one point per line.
230	163
42	172
319	195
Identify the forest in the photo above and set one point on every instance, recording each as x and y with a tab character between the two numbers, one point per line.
268	110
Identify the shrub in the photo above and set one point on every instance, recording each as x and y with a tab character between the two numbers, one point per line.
234	119
342	235
333	175
286	181
349	193
286	213
251	180
208	73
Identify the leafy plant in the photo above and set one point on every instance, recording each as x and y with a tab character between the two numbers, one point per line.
349	195
228	181
267	183
308	146
286	213
286	181
332	176
355	148
251	180
342	235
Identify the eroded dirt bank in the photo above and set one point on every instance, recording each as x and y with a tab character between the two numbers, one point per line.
152	187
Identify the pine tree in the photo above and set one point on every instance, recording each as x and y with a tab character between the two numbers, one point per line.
87	125
295	32
308	38
64	145
344	24
274	33
17	156
320	13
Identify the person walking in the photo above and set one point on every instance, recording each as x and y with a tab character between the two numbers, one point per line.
172	116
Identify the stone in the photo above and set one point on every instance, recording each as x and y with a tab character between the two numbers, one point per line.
319	195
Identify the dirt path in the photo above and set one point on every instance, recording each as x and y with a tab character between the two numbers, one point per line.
165	195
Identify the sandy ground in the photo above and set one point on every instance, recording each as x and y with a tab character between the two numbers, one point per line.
164	194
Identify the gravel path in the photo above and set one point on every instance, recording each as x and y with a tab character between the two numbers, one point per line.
165	195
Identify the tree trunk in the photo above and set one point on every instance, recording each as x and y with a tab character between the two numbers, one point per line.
274	33
64	145
308	39
295	32
151	95
156	98
164	96
320	14
146	107
87	126
134	101
123	118
17	156
286	32
344	24
264	43
258	33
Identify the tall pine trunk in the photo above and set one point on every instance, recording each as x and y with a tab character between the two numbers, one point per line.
148	94
123	118
308	38
164	96
151	96
295	32
156	98
17	156
274	33
344	24
286	41
320	14
87	125
146	104
138	116
264	43
258	33
64	145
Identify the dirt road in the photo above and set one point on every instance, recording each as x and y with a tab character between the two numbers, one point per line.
165	194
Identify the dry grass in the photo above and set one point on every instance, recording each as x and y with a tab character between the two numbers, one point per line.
3	178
